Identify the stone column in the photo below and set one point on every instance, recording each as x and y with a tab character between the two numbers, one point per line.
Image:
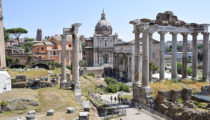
205	56
137	58
162	55
174	56
76	41
2	44
194	56
145	63
63	62
184	56
209	62
150	55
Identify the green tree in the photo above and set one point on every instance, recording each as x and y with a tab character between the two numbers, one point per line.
28	40
169	49
179	69
200	46
17	32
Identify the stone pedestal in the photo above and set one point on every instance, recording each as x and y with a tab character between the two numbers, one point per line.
142	94
5	82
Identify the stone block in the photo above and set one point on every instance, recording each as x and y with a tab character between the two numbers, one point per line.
5	82
86	106
70	109
50	112
163	95
186	93
30	117
21	78
84	115
143	94
19	85
205	90
175	94
31	112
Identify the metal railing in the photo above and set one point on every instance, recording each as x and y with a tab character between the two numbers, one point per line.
152	112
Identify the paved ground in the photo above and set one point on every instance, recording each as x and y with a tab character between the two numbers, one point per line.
131	113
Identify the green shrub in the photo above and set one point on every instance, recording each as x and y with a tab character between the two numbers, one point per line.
69	67
189	70
113	88
179	100
174	80
14	81
154	68
9	60
109	80
124	87
3	103
91	74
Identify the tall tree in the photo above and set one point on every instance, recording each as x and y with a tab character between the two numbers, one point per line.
17	32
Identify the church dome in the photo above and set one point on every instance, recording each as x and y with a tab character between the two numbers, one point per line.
103	26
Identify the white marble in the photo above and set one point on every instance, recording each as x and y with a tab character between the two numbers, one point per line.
5	82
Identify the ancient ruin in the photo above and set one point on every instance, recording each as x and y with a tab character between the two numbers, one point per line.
2	45
166	23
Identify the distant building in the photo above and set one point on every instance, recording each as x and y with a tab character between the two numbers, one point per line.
39	35
99	48
51	49
123	60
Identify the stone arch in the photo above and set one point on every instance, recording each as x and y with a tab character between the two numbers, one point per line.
18	66
40	65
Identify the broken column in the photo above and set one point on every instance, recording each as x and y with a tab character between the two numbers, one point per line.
194	55
174	56
184	56
205	56
75	64
2	44
63	61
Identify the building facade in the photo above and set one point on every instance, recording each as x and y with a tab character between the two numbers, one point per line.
51	49
99	48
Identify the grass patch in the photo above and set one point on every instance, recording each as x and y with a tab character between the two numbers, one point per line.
174	85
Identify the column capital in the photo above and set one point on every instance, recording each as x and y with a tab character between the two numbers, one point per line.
205	33
184	33
194	34
162	33
174	33
75	28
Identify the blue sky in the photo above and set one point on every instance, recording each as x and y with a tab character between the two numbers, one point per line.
53	15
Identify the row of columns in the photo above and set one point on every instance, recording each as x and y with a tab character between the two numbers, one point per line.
75	63
147	56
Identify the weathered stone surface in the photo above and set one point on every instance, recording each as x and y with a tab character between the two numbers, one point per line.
142	94
162	95
84	115
175	94
50	112
5	82
205	90
21	78
19	104
30	117
70	109
87	106
186	93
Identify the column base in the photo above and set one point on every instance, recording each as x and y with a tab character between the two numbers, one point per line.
65	85
142	95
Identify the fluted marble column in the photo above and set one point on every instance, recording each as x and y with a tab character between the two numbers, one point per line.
137	57
2	44
150	55
194	55
145	64
76	41
174	56
63	59
162	55
205	56
184	56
